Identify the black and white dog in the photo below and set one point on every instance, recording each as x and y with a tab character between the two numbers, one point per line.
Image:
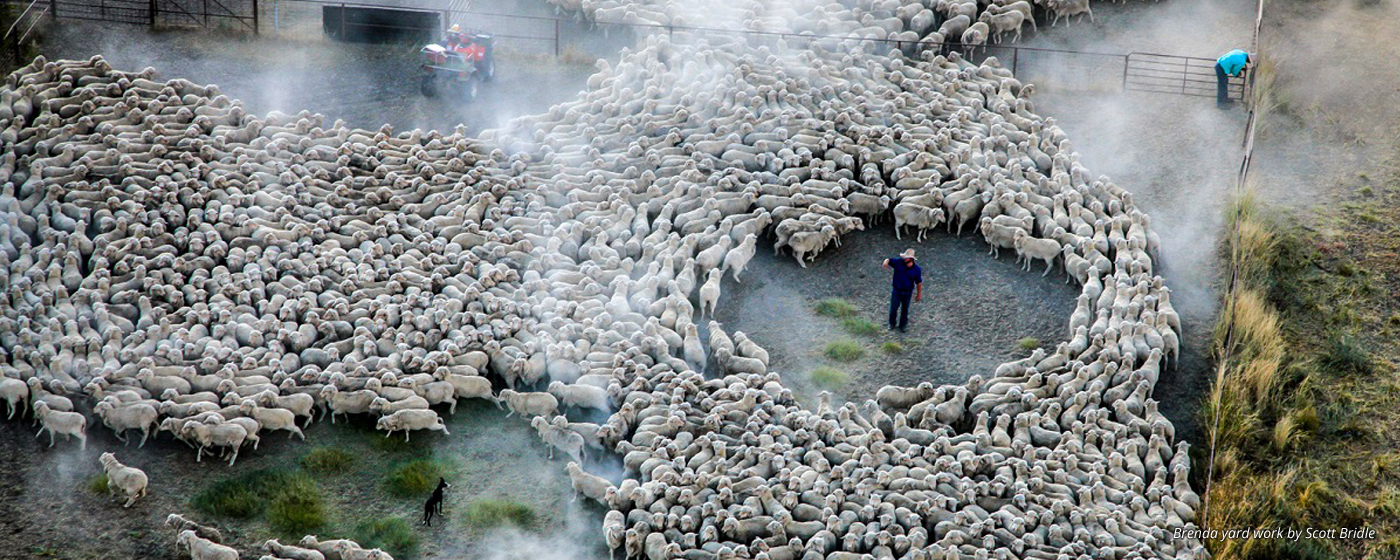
434	505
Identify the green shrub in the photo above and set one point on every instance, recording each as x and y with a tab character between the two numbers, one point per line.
829	377
414	478
859	326
98	484
844	351
485	514
1029	343
327	460
835	307
1344	354
245	496
296	509
392	534
892	348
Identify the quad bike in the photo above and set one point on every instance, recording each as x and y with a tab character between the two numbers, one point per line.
460	65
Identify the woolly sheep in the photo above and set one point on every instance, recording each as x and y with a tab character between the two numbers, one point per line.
180	524
291	552
57	422
529	404
589	486
271	418
204	549
130	480
409	420
581	396
136	416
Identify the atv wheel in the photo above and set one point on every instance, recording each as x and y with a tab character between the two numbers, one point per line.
469	89
428	85
488	71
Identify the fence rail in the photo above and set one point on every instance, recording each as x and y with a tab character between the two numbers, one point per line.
237	14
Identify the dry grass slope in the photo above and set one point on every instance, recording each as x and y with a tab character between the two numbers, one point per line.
1307	413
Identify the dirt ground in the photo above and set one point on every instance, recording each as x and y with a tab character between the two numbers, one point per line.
49	512
974	310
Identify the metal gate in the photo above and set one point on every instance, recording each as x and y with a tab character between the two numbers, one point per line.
240	15
1181	75
118	11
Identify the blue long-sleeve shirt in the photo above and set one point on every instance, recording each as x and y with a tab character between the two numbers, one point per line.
1233	62
905	276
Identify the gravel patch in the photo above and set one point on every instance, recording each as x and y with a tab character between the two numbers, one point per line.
974	310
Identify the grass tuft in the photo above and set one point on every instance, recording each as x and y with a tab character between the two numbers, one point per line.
327	460
1029	343
245	496
486	514
391	534
414	478
892	348
859	326
1343	354
297	508
844	350
835	307
98	485
830	377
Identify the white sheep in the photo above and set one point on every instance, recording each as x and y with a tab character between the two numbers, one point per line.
709	291
300	404
204	549
59	422
135	416
738	258
346	402
229	435
409	420
436	392
130	480
330	548
15	393
271	418
291	552
590	486
383	406
472	387
1029	247
180	523
581	396
529	404
564	439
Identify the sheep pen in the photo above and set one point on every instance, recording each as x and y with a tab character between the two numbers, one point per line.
233	255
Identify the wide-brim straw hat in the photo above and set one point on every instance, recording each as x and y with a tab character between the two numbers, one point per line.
908	254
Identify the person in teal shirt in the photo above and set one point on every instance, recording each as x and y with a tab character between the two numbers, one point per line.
1232	63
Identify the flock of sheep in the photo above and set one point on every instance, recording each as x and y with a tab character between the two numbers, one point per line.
176	265
927	23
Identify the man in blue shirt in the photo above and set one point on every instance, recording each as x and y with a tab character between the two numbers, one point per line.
1232	63
908	281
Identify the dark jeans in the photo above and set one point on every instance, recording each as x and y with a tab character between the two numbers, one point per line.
899	306
1222	82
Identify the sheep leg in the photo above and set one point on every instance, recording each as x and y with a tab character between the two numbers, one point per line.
50	438
405	435
451	409
200	455
234	457
1048	265
144	434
